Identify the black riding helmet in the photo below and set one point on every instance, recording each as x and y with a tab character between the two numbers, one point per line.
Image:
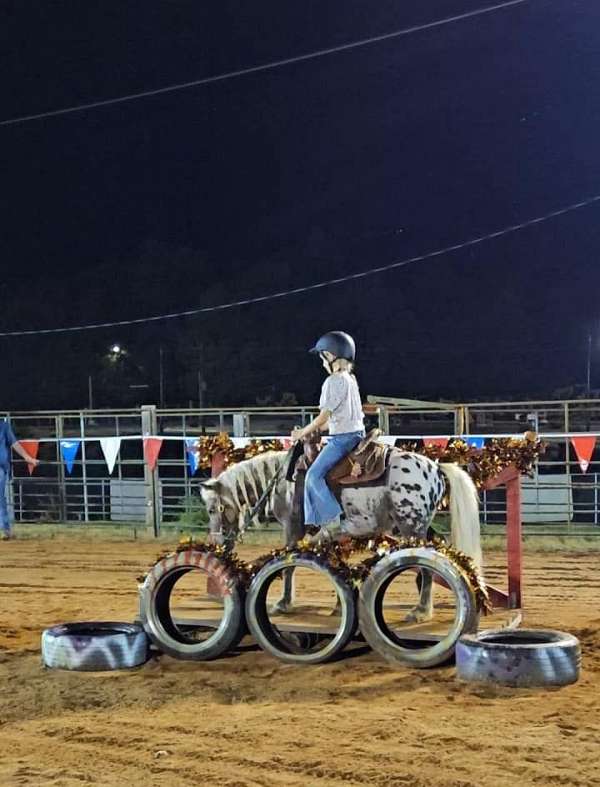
337	343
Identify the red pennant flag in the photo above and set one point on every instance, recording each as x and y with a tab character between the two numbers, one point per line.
32	447
584	448
152	446
440	442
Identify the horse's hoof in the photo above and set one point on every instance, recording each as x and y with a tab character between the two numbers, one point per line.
281	608
417	616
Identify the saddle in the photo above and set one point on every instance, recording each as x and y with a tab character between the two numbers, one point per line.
366	463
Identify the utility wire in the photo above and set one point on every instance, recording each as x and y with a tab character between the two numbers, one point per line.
264	66
319	285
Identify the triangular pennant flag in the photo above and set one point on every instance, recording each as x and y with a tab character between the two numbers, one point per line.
32	447
152	446
68	449
584	448
472	441
439	442
191	448
110	448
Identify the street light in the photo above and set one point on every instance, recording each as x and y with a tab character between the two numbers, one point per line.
115	351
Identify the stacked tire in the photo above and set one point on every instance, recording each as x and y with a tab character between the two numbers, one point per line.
300	648
387	642
155	608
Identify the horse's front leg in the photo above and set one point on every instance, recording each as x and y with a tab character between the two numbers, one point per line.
424	609
285	603
293	532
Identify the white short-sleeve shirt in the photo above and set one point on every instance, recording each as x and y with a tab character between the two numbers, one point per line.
340	395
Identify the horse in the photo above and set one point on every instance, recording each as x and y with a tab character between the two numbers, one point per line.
403	505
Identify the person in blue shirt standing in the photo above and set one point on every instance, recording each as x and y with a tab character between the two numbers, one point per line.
7	442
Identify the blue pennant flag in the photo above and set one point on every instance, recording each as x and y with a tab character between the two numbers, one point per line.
472	441
68	449
192	455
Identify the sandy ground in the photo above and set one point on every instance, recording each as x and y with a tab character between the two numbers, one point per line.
250	720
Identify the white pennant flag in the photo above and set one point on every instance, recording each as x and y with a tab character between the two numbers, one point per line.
110	449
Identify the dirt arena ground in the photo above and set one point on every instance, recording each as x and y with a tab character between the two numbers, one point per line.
250	720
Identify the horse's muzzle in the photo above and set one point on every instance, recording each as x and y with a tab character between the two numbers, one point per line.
216	538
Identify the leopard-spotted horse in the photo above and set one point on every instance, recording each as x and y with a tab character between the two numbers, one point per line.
401	502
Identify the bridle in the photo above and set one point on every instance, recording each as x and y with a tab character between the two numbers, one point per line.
230	533
256	509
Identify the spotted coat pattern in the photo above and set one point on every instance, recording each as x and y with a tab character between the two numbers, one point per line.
403	503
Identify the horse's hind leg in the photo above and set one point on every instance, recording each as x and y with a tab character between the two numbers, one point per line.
411	526
424	609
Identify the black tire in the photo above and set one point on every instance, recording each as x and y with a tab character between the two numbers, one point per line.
299	648
519	657
155	613
370	607
94	646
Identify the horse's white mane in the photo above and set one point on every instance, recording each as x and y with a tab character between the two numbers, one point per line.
251	475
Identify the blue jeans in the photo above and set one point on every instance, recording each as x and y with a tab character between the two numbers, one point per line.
4	515
320	505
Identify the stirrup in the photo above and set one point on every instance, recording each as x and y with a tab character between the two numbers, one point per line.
322	536
326	533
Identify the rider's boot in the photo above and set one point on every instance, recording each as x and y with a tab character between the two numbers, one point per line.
328	532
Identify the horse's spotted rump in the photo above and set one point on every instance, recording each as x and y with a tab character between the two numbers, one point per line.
417	500
405	506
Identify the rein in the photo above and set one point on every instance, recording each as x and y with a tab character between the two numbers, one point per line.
262	500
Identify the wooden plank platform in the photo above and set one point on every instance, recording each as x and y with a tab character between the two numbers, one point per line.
311	624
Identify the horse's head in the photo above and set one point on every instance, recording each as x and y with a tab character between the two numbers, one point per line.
222	517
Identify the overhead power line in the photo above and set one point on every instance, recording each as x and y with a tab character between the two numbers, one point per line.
319	285
262	67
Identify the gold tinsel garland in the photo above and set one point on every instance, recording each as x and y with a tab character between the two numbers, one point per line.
335	556
207	447
482	464
381	546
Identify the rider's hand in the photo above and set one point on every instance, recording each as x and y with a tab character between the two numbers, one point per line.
33	462
297	434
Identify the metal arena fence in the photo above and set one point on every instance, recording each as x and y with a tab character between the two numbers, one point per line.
560	494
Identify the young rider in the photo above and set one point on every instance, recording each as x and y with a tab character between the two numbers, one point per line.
341	408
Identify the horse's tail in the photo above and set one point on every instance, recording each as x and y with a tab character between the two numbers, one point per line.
464	512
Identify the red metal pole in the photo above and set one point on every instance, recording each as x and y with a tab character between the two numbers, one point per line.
217	464
514	541
511	477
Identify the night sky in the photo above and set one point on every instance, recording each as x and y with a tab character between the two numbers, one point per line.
292	176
